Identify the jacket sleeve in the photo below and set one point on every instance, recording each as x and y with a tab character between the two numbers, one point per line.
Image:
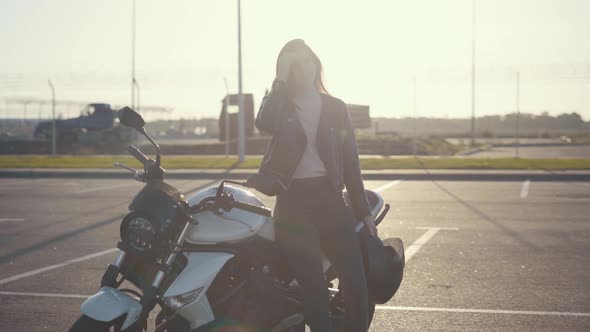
352	170
269	113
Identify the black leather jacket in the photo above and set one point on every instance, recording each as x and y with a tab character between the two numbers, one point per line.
336	143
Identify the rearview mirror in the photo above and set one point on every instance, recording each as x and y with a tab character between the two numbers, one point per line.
131	118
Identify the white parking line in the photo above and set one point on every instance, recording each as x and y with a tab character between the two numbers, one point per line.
74	296
11	219
387	186
379	307
431	231
440	228
56	266
524	192
414	247
487	311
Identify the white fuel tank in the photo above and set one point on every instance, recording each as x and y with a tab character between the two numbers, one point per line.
230	226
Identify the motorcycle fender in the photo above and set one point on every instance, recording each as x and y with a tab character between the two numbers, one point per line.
201	270
110	303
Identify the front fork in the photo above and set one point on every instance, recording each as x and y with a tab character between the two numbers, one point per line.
149	299
109	278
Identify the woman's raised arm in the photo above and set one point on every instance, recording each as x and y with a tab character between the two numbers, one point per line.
271	108
273	104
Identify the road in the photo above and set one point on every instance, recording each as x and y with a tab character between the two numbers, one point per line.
486	256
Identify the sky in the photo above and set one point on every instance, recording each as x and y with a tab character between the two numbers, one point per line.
372	51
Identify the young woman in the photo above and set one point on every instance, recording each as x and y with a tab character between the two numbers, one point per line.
313	154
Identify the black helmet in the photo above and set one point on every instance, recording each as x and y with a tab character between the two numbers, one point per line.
384	266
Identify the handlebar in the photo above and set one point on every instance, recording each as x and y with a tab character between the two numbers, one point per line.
135	152
240	205
252	208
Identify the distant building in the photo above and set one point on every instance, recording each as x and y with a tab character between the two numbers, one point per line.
233	117
359	115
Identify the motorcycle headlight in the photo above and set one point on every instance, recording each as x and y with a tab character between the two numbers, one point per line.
178	301
139	232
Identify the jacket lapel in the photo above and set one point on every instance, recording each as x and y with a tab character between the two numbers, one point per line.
325	127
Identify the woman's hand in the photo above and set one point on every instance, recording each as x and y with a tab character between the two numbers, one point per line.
369	222
285	62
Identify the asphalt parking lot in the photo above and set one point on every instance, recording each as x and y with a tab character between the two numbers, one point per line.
482	256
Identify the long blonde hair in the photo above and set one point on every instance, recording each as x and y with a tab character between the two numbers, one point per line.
299	44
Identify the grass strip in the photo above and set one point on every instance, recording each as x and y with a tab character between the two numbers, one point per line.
369	163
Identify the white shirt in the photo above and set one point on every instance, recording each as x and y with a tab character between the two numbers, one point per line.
308	107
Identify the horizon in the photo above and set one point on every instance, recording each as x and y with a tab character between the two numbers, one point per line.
533	115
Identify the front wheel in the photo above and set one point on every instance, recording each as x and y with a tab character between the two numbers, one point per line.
339	309
301	327
87	324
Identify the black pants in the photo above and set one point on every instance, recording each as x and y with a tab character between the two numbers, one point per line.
311	218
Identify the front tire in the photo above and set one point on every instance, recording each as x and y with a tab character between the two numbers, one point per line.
301	328
87	324
338	307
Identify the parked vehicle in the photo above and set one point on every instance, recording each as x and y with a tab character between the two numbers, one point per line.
96	129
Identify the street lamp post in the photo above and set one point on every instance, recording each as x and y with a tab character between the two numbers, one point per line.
473	76
415	119
133	55
25	114
517	152
4	120
53	138
241	129
136	84
226	102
